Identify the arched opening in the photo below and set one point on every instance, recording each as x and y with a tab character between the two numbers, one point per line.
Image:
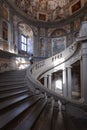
25	39
58	41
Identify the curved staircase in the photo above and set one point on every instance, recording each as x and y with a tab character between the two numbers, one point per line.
24	108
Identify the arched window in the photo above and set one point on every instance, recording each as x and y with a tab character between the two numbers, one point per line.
25	39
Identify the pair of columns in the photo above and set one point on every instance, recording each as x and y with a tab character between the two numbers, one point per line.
67	81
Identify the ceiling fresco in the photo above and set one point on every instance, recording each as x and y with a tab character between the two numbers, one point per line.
48	10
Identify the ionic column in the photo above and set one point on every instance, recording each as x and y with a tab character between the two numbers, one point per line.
45	81
69	82
64	83
49	81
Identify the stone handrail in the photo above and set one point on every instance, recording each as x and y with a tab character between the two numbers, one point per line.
45	65
35	70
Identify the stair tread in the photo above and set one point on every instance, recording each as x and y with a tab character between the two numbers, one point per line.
11	80
12	93
12	114
28	122
44	121
12	83
12	101
12	87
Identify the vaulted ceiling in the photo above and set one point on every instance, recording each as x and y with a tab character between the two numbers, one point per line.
44	10
48	10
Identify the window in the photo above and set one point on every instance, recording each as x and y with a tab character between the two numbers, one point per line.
23	43
26	44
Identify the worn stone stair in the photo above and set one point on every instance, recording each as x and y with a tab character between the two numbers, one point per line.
24	109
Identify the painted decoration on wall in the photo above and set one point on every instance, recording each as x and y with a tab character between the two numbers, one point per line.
5	30
75	35
69	39
4	11
58	32
42	47
76	6
58	45
77	24
42	17
42	32
50	30
85	1
67	28
47	10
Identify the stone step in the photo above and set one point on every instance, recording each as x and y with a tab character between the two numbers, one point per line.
10	115
8	88
12	101
16	79
13	90
32	116
15	95
12	83
5	95
45	118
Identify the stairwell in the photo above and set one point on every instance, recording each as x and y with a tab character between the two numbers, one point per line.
24	109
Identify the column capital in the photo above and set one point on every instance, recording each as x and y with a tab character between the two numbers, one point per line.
69	67
65	68
49	74
45	76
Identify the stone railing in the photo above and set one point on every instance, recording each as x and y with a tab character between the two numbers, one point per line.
39	68
45	65
73	107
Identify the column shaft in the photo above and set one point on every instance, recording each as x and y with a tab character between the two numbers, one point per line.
64	83
69	82
45	81
49	81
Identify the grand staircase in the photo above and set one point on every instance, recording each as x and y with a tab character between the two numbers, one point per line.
22	108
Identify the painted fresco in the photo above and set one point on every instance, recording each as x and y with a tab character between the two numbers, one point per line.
67	28
58	32
42	47
4	11
76	6
46	10
58	44
5	30
42	32
76	24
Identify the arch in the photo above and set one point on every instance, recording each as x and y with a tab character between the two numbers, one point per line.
58	40
58	32
25	38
